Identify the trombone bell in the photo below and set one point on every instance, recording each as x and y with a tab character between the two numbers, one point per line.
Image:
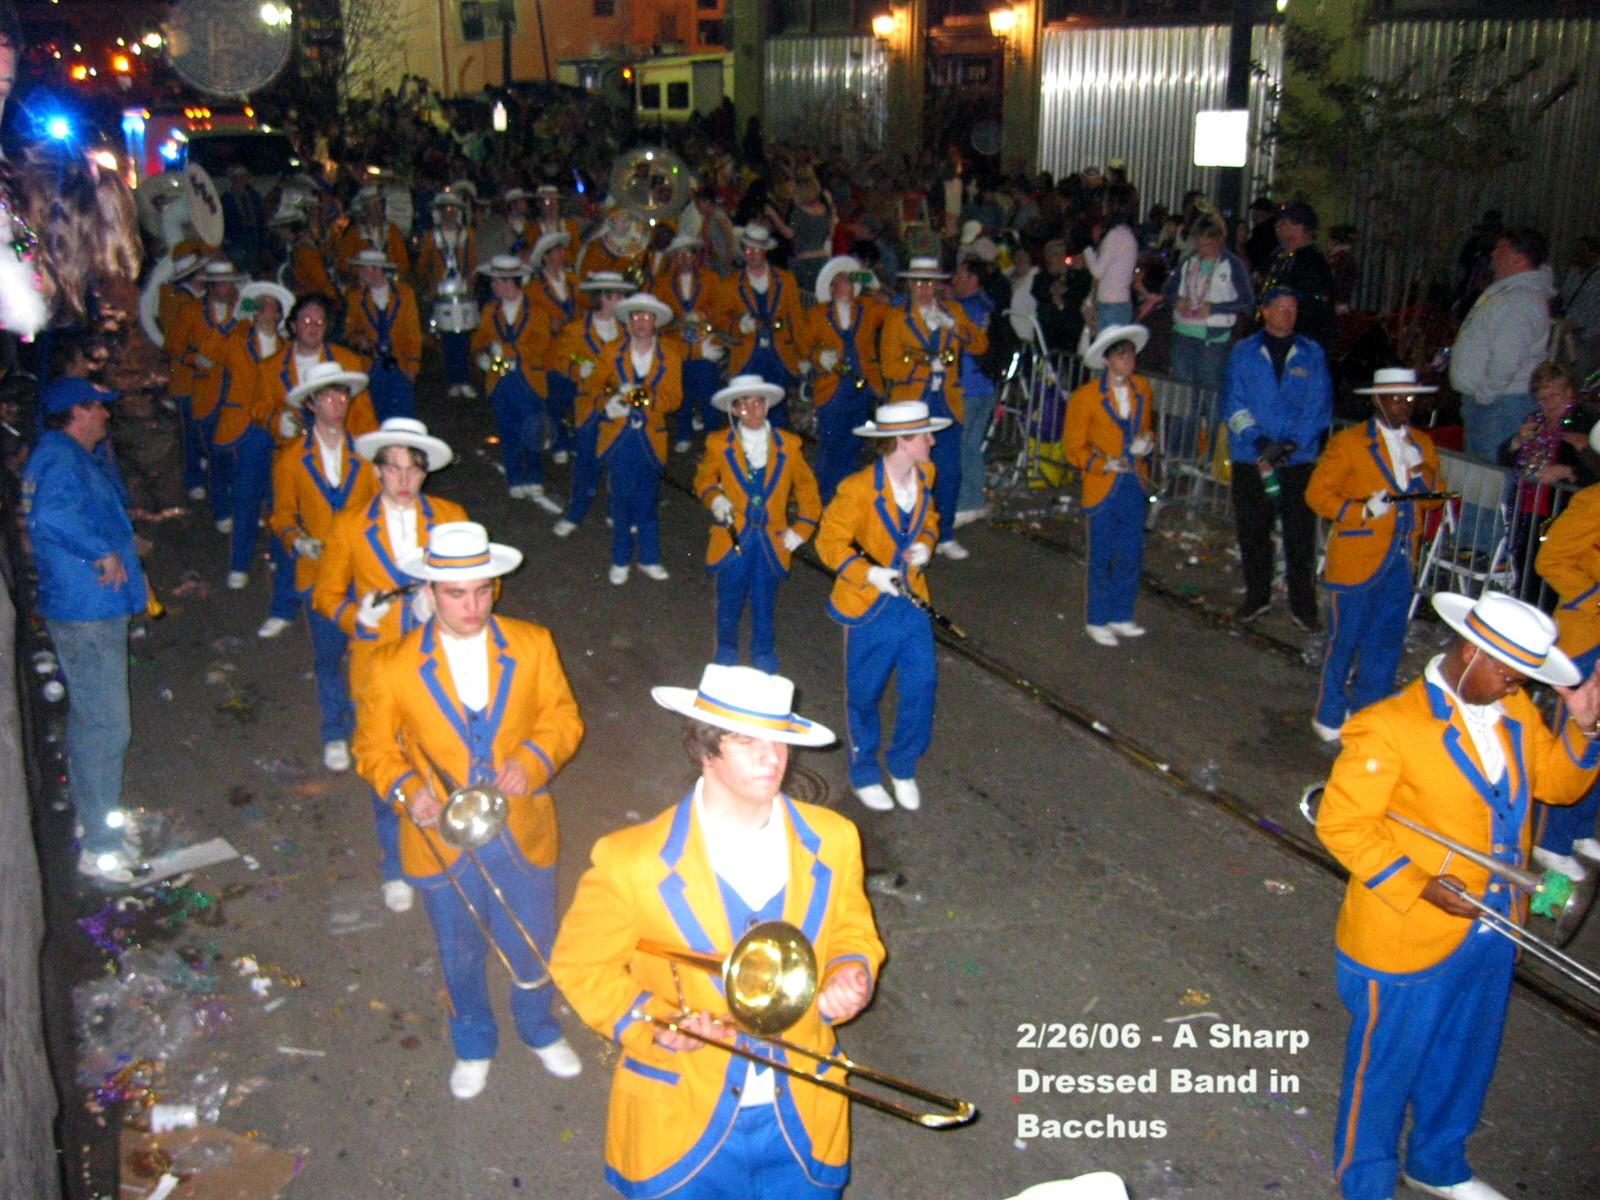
472	817
770	980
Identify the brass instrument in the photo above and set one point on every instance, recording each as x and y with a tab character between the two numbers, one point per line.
500	365
638	397
770	980
473	817
1553	895
650	182
637	272
938	358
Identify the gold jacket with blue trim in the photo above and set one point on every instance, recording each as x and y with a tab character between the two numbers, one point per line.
1569	561
863	527
670	1112
1354	464
724	471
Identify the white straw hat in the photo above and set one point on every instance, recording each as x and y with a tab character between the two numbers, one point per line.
505	266
544	245
645	302
1095	356
1395	381
746	385
322	375
837	265
250	293
373	258
405	431
924	268
683	242
902	419
745	700
460	552
605	281
1513	632
220	270
757	235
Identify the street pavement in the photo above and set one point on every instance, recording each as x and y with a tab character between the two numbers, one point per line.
1089	866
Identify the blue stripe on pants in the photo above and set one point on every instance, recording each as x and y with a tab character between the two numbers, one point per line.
898	639
194	444
633	491
1116	552
386	823
531	894
585	470
1428	1041
1366	633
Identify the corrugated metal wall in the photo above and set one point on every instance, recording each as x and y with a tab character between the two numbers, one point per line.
1132	94
825	90
1555	189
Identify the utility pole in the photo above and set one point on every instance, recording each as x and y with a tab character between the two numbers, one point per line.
508	16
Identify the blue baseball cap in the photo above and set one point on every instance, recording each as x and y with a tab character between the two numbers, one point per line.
63	394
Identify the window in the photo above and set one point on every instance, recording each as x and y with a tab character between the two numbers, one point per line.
708	5
650	96
480	20
678	95
605	8
713	33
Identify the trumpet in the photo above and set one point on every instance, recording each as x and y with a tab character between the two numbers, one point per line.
1552	895
500	365
471	818
934	360
770	980
638	397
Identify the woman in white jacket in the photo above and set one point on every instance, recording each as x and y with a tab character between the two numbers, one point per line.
1114	258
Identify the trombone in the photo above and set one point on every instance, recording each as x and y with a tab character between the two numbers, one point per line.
770	980
1552	895
471	818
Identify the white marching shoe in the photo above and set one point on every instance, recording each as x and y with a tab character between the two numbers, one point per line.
336	755
653	571
1126	629
535	492
468	1076
1101	634
560	1059
618	575
875	796
953	550
907	794
1328	733
1468	1189
238	580
562	527
272	627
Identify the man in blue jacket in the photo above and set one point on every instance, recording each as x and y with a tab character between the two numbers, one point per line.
90	583
1277	402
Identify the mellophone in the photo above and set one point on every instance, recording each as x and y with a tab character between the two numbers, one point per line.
770	978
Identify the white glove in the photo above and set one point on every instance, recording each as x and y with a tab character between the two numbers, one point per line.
307	546
371	613
918	554
616	408
722	509
711	351
885	580
1115	466
828	360
1377	504
1141	445
496	350
422	605
747	324
288	424
942	320
204	363
806	366
585	369
792	541
483	362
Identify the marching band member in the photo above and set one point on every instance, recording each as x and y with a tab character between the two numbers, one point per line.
748	477
920	351
199	341
547	202
370	229
583	346
687	287
687	1120
831	337
382	322
511	343
242	431
642	383
179	312
1107	436
447	260
313	480
306	271
877	537
554	293
1461	751
1372	544
621	244
760	305
358	579
484	699
517	204
1569	561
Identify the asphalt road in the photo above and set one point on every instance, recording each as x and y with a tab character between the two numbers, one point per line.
1058	886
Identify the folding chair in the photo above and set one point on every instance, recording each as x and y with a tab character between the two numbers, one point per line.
1453	552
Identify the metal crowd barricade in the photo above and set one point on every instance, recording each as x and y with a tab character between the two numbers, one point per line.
1191	466
1024	436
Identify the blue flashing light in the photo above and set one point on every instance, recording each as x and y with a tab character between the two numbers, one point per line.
169	150
58	127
